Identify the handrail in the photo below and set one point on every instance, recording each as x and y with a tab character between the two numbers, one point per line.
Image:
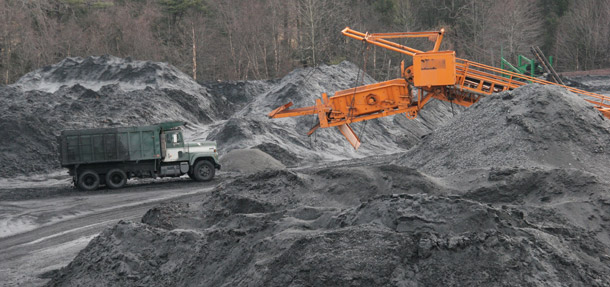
602	100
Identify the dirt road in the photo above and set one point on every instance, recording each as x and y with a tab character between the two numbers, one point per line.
40	235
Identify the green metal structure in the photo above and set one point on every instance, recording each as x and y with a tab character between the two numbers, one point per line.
525	66
111	144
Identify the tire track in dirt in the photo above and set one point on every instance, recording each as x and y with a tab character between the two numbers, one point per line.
27	244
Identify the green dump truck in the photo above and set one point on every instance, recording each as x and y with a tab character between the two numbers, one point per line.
110	156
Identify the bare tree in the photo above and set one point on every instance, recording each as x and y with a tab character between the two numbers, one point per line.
313	14
12	38
512	26
585	36
244	39
194	52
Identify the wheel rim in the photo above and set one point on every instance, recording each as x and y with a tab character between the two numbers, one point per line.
116	178
89	180
204	171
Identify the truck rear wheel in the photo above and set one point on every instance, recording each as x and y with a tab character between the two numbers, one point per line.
88	180
116	178
203	171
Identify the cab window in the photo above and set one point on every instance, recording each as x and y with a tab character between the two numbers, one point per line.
174	138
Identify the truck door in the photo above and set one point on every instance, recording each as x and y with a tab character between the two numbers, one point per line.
176	150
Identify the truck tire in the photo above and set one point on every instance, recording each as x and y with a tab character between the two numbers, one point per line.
116	178
203	171
191	175
88	180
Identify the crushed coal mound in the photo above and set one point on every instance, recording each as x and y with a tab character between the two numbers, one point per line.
532	126
250	127
93	92
284	156
597	81
512	191
285	228
96	72
107	91
239	93
249	161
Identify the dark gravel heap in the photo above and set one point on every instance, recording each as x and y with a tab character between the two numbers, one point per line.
363	226
514	194
108	91
93	92
250	127
532	126
511	192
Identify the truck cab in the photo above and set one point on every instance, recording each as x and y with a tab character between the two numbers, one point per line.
175	149
188	155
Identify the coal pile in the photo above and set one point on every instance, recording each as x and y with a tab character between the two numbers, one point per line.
93	92
286	138
532	126
382	225
512	191
97	72
593	81
108	91
249	161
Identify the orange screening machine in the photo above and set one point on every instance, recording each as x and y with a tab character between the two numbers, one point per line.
434	74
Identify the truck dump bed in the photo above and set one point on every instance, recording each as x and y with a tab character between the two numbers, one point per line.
110	145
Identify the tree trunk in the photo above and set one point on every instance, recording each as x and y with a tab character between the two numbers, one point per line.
312	26
194	53
8	63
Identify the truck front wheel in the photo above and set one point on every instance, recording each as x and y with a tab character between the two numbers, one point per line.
203	171
116	178
191	175
88	180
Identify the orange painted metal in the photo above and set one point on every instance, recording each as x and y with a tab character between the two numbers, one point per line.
434	69
435	74
283	112
470	76
380	39
350	135
356	104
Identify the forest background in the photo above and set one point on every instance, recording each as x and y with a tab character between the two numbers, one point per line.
263	39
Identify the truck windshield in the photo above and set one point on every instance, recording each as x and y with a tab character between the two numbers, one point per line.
174	138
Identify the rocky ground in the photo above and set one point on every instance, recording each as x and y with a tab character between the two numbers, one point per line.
512	191
502	216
